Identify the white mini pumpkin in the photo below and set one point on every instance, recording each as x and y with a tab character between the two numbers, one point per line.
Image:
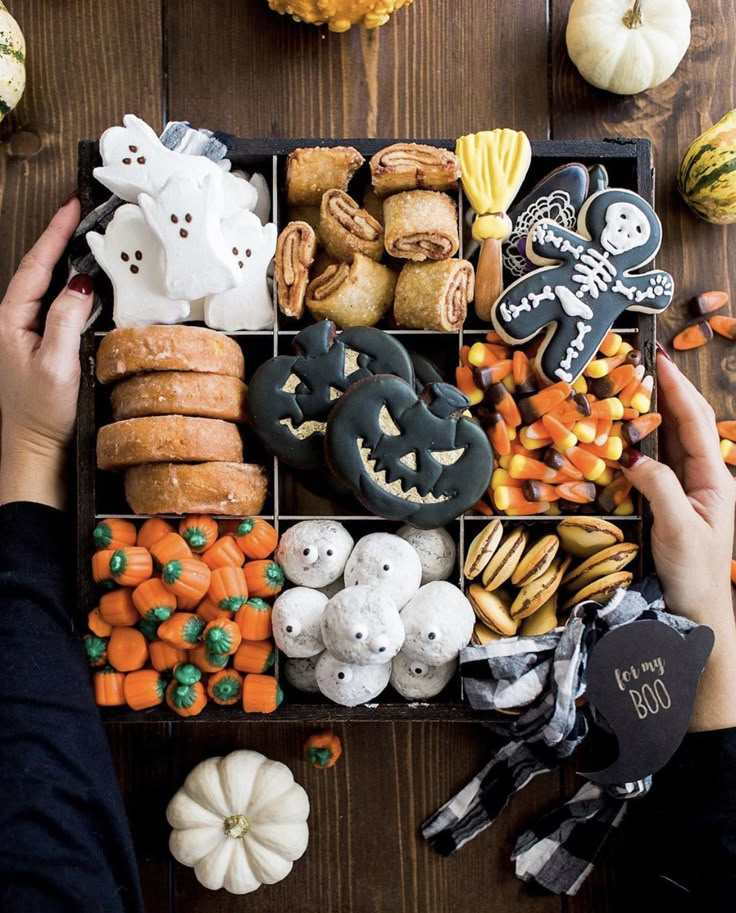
627	46
12	62
240	821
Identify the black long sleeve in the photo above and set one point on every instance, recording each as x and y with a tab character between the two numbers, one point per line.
66	844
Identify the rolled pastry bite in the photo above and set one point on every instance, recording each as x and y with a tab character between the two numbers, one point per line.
413	166
421	225
345	228
354	294
373	204
434	295
312	171
295	250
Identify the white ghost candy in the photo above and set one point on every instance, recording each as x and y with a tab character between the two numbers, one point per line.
296	620
239	194
131	255
262	205
436	549
300	673
248	306
438	622
187	219
134	161
416	681
362	625
386	560
350	685
313	552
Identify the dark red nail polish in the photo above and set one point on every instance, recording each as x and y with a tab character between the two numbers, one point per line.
662	351
630	458
74	195
81	284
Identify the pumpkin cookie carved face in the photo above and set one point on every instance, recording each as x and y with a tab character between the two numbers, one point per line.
291	396
407	456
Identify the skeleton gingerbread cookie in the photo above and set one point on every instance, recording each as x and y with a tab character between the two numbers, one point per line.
131	255
585	283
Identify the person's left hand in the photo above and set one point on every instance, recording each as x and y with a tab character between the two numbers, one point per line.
39	381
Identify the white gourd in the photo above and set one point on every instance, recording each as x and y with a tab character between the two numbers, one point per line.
627	46
239	821
12	62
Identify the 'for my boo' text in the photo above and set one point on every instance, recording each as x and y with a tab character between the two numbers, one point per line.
648	698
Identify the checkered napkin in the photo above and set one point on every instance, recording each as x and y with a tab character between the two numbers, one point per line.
544	675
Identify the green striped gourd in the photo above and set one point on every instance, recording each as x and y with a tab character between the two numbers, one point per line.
12	62
707	176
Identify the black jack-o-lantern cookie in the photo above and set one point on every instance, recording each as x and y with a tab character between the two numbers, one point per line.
291	396
408	456
585	282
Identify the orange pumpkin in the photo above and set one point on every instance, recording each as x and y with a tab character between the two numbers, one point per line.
130	566
199	530
210	612
96	650
261	694
170	547
263	578
127	649
107	686
323	749
186	695
206	661
164	657
153	600
144	689
152	530
225	687
222	637
101	573
118	609
228	589
182	630
254	656
114	534
254	619
188	579
97	624
224	553
256	537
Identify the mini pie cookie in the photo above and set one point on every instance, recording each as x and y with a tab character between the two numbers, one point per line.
438	622
296	618
313	553
417	681
348	684
436	549
386	561
361	626
180	393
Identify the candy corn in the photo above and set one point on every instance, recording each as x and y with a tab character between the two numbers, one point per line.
724	326
696	335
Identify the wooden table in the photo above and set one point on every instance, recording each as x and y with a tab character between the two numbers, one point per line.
440	68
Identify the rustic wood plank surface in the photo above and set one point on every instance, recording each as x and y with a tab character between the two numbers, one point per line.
439	68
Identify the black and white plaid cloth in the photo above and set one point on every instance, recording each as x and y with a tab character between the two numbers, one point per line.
544	676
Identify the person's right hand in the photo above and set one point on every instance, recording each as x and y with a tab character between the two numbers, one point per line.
692	496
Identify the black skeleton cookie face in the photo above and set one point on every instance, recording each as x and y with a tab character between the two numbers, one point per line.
585	284
291	396
408	457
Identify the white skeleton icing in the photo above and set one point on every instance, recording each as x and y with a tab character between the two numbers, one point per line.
546	235
528	303
595	273
572	352
626	227
657	286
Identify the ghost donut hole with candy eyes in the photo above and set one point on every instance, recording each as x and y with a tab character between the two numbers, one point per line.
417	681
348	684
438	622
436	550
388	561
296	618
361	626
313	553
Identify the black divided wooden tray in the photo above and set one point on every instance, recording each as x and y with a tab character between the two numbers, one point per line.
291	499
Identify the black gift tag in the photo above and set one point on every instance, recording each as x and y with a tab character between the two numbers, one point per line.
642	677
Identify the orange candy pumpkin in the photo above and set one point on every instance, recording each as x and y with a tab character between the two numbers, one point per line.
254	619
127	649
188	579
224	553
107	686
96	650
199	530
152	530
164	657
221	637
153	600
254	656
182	630
261	694
206	661
228	589
118	609
323	749
97	624
210	612
263	578
101	573
186	695
130	566
113	534
225	687
256	537
144	689
170	547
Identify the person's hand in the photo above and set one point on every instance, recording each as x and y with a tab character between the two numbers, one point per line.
39	381
692	497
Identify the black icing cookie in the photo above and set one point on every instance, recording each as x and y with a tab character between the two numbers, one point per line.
290	396
557	198
578	297
409	457
425	371
598	179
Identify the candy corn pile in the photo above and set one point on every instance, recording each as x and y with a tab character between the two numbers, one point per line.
558	446
176	606
701	332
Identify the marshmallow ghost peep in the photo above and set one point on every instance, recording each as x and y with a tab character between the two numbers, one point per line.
313	552
438	622
248	306
362	626
131	255
187	217
296	621
350	685
417	681
385	560
436	550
